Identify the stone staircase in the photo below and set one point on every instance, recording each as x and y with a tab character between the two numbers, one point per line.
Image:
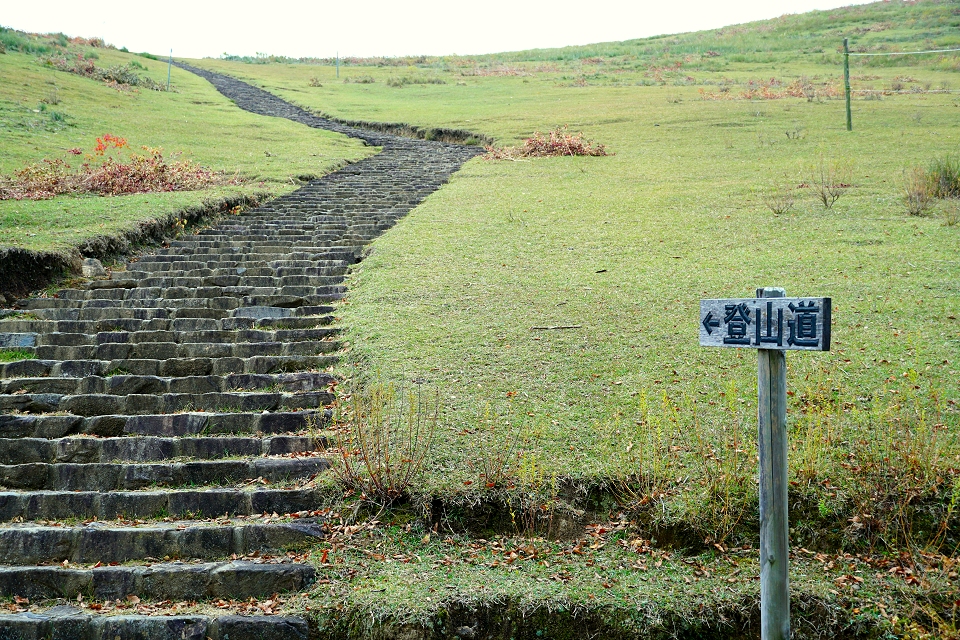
161	441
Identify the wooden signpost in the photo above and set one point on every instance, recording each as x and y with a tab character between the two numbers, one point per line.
772	324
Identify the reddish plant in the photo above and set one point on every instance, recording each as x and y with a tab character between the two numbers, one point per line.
140	173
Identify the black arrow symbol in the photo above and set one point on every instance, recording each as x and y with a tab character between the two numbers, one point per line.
709	323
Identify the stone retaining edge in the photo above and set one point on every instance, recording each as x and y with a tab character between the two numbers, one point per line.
25	270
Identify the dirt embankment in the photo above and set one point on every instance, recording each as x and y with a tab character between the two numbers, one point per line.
23	270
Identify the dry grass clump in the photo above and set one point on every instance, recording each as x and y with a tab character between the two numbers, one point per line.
108	175
941	181
558	142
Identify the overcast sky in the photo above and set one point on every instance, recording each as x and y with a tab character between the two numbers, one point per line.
381	27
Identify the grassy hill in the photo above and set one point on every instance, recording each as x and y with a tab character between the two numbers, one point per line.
720	141
45	112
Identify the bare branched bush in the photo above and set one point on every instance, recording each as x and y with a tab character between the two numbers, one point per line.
778	199
499	434
829	180
384	436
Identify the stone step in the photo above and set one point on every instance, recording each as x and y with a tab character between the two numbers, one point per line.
317	316
179	424
169	350
62	339
223	296
199	502
72	623
33	544
288	296
102	404
131	384
166	581
187	267
85	450
174	367
119	476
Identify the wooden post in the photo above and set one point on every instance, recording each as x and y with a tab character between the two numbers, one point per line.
774	528
338	64
846	81
169	65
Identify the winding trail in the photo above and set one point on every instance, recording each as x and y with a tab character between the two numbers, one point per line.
169	413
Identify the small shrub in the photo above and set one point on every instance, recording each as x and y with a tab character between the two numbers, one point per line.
52	98
558	142
778	199
384	437
829	179
945	174
119	75
315	82
918	190
400	81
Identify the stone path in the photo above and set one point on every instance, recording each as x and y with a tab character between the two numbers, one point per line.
171	405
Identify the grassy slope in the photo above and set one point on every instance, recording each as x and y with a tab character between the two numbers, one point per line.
626	246
195	120
675	215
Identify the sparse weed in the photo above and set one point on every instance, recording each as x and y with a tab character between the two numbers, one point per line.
384	436
400	81
945	175
778	198
918	190
499	434
13	355
951	213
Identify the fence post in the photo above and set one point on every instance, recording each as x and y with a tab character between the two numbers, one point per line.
846	81
338	64
169	64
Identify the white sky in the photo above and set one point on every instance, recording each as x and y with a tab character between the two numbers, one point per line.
381	27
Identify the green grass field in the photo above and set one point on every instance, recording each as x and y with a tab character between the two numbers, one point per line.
623	247
45	112
623	412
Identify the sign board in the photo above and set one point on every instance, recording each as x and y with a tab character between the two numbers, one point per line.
766	323
772	324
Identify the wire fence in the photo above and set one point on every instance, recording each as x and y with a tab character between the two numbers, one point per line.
849	91
904	53
908	91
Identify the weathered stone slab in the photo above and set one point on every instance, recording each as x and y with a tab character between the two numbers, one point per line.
17	340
